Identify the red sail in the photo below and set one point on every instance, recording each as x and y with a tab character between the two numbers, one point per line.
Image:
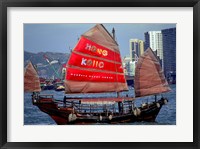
31	79
95	64
149	77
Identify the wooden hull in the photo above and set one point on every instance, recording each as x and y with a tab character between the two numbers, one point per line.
63	115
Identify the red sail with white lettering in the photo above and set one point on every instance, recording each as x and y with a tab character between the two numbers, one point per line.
95	64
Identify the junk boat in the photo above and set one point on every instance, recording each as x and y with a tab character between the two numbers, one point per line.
95	66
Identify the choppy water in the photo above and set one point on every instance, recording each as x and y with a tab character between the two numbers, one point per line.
166	116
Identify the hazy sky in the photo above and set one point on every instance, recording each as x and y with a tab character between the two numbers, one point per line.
59	37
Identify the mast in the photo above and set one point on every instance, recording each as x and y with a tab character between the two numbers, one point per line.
113	35
113	32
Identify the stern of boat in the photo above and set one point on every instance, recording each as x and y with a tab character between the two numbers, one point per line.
149	112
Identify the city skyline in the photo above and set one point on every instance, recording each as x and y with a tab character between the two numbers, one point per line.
63	37
163	43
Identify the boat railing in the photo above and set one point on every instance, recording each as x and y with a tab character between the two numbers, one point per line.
105	109
46	95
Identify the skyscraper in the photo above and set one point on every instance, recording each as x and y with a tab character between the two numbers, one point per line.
153	39
169	51
129	66
136	48
125	61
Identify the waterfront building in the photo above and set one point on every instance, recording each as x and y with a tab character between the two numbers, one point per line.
153	39
132	68
169	51
129	66
125	63
136	48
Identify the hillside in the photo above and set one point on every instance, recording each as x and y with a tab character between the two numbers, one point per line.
43	67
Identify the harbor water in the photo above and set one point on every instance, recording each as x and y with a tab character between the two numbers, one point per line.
166	116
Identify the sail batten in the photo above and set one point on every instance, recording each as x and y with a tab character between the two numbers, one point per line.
31	79
91	69
95	64
91	48
96	57
89	62
149	77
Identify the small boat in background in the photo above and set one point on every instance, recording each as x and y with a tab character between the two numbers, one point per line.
59	86
46	84
130	80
